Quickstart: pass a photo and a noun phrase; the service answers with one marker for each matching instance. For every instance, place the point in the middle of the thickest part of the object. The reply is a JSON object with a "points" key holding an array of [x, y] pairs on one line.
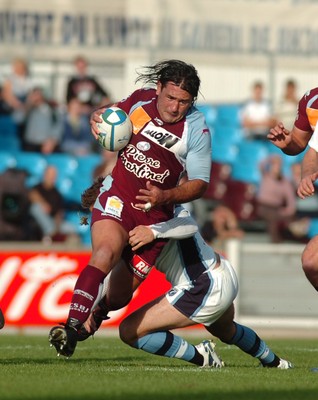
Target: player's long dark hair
{"points": [[180, 73]]}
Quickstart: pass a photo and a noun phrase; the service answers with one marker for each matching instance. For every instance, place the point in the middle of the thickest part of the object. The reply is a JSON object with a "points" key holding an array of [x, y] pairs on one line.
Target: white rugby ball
{"points": [[116, 129]]}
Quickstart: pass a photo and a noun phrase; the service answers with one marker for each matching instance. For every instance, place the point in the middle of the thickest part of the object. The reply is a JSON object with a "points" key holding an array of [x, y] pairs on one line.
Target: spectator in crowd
{"points": [[286, 108], [221, 225], [86, 88], [16, 88], [47, 208], [15, 221], [5, 108], [76, 130], [256, 115], [276, 198], [42, 125]]}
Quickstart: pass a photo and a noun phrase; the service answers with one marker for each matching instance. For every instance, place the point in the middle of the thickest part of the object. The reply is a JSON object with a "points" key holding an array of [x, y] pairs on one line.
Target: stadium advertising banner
{"points": [[283, 27], [36, 287]]}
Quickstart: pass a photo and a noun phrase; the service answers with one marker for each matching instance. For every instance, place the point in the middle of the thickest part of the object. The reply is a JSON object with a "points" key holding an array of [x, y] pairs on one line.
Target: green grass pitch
{"points": [[105, 368]]}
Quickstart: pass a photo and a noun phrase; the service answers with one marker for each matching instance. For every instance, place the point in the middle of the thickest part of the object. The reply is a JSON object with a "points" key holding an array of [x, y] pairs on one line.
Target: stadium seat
{"points": [[7, 160], [87, 165], [65, 164], [89, 161], [228, 114], [313, 228], [71, 189], [209, 112], [224, 153], [227, 134], [246, 167], [34, 164], [9, 138]]}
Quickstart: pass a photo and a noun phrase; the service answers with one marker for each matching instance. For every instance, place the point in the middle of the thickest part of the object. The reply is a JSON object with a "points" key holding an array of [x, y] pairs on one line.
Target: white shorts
{"points": [[208, 297]]}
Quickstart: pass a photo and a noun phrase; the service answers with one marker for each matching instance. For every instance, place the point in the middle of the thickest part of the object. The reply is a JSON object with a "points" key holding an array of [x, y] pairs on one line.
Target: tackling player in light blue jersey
{"points": [[204, 286]]}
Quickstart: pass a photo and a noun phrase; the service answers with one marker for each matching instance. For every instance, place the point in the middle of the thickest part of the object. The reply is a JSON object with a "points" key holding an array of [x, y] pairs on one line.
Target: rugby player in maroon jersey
{"points": [[170, 136]]}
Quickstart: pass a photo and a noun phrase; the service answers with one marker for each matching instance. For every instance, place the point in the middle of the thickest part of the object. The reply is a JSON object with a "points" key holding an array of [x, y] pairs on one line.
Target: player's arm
{"points": [[180, 227], [295, 141], [198, 167], [309, 174], [184, 193], [290, 142]]}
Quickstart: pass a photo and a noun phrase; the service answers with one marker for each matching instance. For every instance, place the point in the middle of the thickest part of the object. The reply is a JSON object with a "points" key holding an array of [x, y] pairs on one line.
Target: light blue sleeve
{"points": [[182, 226], [199, 156]]}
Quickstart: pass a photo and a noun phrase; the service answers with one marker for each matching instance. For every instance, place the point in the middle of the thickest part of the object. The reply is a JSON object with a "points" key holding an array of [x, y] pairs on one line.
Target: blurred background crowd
{"points": [[48, 157]]}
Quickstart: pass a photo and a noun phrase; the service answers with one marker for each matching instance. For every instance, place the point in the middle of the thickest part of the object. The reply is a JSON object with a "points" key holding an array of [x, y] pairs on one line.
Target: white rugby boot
{"points": [[211, 359]]}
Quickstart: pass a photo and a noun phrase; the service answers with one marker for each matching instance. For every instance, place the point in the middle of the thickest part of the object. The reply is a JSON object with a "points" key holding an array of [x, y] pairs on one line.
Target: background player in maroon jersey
{"points": [[294, 142], [170, 137]]}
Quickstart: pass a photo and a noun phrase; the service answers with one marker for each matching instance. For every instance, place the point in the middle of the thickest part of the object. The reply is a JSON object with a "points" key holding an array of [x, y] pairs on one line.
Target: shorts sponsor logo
{"points": [[172, 292], [114, 207], [140, 267]]}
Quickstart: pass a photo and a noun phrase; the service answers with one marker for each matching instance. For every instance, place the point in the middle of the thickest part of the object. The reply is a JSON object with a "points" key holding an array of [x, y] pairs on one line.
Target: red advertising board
{"points": [[36, 287]]}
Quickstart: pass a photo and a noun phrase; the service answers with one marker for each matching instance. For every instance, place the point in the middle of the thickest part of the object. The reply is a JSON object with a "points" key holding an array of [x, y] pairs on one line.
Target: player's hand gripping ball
{"points": [[116, 129]]}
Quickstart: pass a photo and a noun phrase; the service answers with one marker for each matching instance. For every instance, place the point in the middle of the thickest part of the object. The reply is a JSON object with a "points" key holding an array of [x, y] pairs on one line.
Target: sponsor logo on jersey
{"points": [[159, 122], [136, 162], [162, 137], [143, 146]]}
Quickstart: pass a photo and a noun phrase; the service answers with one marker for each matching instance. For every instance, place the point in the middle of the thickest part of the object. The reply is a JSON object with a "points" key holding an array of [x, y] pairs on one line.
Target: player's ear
{"points": [[159, 88]]}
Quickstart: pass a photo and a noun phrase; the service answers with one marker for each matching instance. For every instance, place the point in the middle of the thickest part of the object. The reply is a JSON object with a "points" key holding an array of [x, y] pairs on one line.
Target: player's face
{"points": [[173, 102]]}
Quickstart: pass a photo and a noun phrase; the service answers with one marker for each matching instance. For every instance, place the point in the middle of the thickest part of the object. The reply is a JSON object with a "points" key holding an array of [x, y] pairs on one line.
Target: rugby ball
{"points": [[115, 130]]}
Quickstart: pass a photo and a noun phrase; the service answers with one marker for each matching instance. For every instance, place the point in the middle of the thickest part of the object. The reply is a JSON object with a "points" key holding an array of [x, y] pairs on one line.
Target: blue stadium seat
{"points": [[228, 114], [34, 164], [89, 161], [246, 167], [209, 112], [65, 164], [7, 160], [87, 165], [313, 228], [223, 152], [227, 134], [9, 138]]}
